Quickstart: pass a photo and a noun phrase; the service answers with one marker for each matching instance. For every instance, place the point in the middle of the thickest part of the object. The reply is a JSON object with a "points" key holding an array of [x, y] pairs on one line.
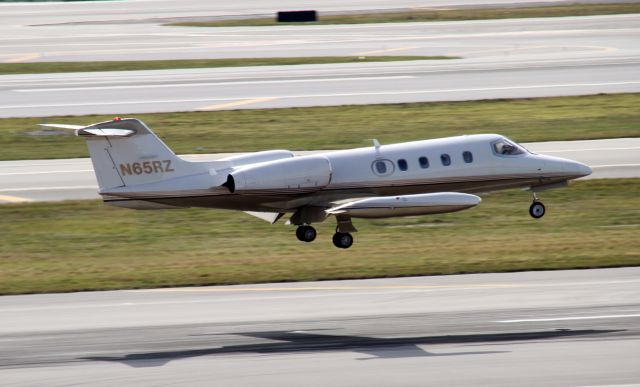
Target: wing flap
{"points": [[270, 217]]}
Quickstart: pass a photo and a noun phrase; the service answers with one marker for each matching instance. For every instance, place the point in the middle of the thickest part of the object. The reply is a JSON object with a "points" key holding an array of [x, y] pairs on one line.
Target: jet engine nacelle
{"points": [[407, 205], [289, 176], [259, 157]]}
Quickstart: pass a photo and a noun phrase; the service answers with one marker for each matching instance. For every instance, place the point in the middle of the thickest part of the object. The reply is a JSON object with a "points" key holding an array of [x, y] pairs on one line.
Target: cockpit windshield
{"points": [[507, 148]]}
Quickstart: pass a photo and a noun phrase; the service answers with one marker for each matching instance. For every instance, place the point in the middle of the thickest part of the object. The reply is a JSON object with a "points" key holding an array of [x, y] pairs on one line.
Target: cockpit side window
{"points": [[504, 147]]}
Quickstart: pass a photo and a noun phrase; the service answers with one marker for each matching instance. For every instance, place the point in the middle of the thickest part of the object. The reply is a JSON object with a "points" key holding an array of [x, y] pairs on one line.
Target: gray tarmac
{"points": [[541, 38], [501, 59], [66, 179], [562, 328], [154, 11]]}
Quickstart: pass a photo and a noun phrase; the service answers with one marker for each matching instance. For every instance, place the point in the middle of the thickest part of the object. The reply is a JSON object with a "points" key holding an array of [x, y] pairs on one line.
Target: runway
{"points": [[53, 180], [311, 85], [560, 328], [501, 59], [153, 11], [507, 39]]}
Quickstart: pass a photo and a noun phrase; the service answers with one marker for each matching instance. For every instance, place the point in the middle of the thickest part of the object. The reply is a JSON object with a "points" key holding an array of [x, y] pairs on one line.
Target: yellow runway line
{"points": [[13, 199], [22, 58], [386, 50], [236, 103]]}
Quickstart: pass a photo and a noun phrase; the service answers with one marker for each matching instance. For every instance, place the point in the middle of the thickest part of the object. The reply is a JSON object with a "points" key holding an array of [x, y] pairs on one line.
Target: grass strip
{"points": [[72, 246], [434, 15], [133, 65], [339, 127]]}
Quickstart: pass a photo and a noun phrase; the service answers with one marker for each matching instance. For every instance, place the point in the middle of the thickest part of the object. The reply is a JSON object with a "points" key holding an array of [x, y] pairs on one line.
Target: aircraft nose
{"points": [[580, 169], [573, 169]]}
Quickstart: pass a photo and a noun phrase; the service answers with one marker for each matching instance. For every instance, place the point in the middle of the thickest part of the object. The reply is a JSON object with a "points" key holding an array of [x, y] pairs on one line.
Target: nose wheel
{"points": [[306, 233], [536, 210], [342, 240]]}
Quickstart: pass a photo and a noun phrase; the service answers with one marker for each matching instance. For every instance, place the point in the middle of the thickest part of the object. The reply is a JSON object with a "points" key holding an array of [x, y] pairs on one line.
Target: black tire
{"points": [[537, 210], [306, 233], [342, 240]]}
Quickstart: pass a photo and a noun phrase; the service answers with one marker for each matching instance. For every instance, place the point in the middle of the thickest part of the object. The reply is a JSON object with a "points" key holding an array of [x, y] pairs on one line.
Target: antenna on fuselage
{"points": [[376, 145]]}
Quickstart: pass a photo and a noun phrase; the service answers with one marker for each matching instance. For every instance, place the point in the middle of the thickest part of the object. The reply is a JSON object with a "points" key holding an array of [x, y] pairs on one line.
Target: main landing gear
{"points": [[341, 239], [537, 209], [306, 233]]}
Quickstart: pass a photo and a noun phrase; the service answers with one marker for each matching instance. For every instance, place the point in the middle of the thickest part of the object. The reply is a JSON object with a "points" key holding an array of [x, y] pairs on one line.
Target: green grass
{"points": [[70, 67], [58, 247], [544, 119], [440, 15]]}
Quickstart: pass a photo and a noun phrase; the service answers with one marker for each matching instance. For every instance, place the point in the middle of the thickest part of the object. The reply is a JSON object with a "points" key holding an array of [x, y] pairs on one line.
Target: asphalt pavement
{"points": [[153, 11], [500, 59], [562, 328], [539, 38]]}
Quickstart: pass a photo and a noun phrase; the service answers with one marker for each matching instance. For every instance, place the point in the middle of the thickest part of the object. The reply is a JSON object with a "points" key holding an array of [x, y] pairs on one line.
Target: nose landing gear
{"points": [[537, 209]]}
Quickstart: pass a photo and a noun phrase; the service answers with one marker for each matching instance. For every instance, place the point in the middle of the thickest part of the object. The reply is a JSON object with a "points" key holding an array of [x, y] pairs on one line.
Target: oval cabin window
{"points": [[467, 156], [424, 162], [382, 167], [446, 159], [402, 164]]}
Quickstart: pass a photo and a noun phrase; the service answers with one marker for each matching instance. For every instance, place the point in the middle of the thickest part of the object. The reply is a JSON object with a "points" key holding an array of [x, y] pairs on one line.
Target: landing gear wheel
{"points": [[342, 240], [306, 233], [537, 210]]}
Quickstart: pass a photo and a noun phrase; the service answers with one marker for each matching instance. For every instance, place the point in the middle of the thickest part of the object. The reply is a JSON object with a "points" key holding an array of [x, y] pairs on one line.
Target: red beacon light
{"points": [[117, 119]]}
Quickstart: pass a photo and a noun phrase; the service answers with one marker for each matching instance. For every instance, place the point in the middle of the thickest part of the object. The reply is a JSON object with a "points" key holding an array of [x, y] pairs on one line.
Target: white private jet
{"points": [[135, 169]]}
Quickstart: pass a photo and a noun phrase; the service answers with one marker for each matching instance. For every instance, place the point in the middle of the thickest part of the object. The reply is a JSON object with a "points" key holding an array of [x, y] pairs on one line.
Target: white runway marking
{"points": [[589, 149], [615, 165], [435, 91], [571, 318], [615, 385], [49, 188], [214, 84], [44, 172]]}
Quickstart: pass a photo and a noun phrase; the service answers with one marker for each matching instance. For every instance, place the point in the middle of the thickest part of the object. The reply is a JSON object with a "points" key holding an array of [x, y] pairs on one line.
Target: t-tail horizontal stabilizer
{"points": [[128, 159], [88, 131]]}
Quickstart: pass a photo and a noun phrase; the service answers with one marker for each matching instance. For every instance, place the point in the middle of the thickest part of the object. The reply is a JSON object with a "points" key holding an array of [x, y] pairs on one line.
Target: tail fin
{"points": [[125, 153]]}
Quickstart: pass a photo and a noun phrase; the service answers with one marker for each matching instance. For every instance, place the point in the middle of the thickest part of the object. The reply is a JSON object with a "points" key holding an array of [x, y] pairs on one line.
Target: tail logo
{"points": [[146, 167]]}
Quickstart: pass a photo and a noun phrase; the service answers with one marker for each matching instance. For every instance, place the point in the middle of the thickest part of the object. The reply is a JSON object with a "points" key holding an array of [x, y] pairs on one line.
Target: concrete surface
{"points": [[502, 59], [564, 328]]}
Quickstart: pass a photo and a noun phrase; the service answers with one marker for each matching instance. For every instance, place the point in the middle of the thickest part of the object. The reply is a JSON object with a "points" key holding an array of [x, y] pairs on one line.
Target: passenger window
{"points": [[446, 159], [467, 156], [424, 162], [402, 164], [382, 167]]}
